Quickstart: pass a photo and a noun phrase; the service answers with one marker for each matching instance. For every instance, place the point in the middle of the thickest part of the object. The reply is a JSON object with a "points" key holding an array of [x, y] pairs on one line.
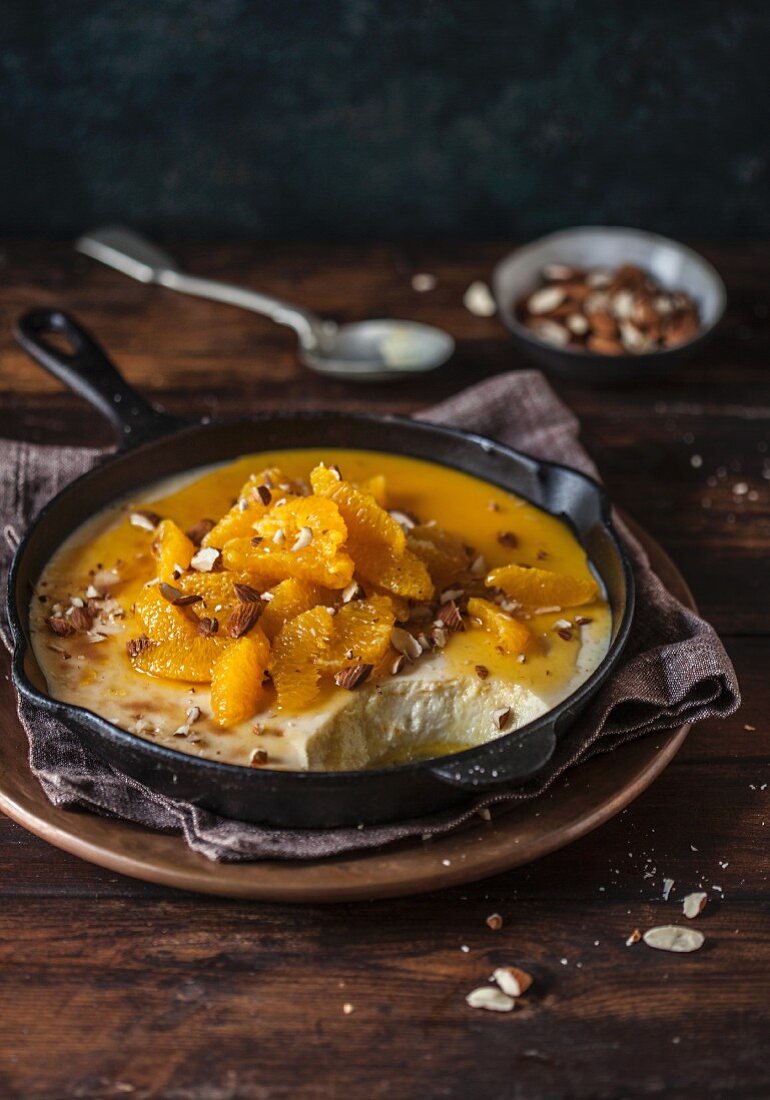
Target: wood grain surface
{"points": [[110, 987]]}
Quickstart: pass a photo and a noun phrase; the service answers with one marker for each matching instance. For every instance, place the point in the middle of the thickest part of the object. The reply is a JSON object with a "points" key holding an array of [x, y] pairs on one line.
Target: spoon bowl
{"points": [[376, 351]]}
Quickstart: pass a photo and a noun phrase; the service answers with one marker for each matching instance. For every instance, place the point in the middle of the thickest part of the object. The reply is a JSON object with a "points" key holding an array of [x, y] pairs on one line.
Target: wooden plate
{"points": [[597, 791]]}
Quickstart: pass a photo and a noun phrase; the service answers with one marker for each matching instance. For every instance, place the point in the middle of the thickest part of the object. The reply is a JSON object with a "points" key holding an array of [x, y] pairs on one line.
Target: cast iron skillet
{"points": [[153, 445]]}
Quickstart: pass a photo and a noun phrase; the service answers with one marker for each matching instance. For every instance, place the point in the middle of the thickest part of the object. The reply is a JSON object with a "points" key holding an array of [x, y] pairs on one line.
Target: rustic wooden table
{"points": [[115, 988]]}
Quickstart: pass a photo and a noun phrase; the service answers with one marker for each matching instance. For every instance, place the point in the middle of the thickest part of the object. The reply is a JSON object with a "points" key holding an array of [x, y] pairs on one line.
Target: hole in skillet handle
{"points": [[508, 762], [69, 352]]}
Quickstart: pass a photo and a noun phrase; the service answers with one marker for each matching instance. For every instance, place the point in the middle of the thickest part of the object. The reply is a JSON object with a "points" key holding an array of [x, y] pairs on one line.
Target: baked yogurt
{"points": [[320, 610]]}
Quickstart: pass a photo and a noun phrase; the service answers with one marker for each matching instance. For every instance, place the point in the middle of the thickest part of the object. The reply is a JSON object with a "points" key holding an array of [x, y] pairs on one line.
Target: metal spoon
{"points": [[367, 351]]}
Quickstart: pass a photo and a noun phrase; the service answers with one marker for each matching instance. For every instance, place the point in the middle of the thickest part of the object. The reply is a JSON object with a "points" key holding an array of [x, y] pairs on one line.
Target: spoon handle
{"points": [[139, 258]]}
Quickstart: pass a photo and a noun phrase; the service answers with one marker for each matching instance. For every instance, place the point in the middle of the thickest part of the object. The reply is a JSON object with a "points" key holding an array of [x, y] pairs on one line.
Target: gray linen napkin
{"points": [[674, 668]]}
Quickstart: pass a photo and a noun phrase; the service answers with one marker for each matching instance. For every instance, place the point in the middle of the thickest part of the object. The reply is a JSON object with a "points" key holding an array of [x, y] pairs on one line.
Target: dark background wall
{"points": [[385, 118]]}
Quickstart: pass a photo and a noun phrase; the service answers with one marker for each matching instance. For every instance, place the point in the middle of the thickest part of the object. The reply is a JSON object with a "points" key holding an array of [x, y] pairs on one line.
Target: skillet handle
{"points": [[508, 762], [89, 371]]}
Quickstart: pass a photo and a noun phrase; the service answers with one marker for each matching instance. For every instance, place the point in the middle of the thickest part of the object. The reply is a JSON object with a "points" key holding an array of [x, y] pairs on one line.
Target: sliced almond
{"points": [[577, 324], [135, 646], [208, 626], [404, 642], [449, 615], [176, 597], [246, 594], [502, 717], [623, 305], [144, 519], [511, 980], [403, 519], [243, 618], [546, 299], [80, 619], [694, 904], [61, 626], [354, 591], [352, 677], [203, 561], [479, 301], [633, 338], [423, 281], [303, 539], [490, 998], [549, 331], [451, 594], [673, 937]]}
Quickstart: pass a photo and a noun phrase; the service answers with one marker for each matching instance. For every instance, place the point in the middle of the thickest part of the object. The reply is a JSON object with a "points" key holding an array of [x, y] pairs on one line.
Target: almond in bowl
{"points": [[309, 610], [624, 311]]}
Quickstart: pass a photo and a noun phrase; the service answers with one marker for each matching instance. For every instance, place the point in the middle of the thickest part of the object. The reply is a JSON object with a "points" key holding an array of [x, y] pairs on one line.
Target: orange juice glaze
{"points": [[474, 509]]}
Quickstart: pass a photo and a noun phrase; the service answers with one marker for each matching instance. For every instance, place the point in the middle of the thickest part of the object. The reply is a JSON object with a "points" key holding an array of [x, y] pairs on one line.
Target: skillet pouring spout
{"points": [[153, 445]]}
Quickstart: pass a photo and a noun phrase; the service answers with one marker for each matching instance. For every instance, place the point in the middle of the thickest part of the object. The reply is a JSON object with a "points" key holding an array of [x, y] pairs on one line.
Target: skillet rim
{"points": [[103, 727]]}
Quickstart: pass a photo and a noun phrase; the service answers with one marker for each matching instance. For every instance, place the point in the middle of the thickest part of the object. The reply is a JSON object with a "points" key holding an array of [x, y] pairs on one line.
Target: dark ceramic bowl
{"points": [[154, 445], [675, 267]]}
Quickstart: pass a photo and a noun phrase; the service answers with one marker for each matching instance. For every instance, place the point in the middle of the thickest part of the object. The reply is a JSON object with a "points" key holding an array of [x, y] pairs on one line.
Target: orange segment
{"points": [[190, 660], [289, 599], [509, 633], [297, 650], [376, 487], [215, 589], [369, 526], [236, 680], [249, 507], [361, 633], [162, 621], [178, 651], [320, 517], [403, 575], [269, 564], [173, 548], [536, 588], [443, 553]]}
